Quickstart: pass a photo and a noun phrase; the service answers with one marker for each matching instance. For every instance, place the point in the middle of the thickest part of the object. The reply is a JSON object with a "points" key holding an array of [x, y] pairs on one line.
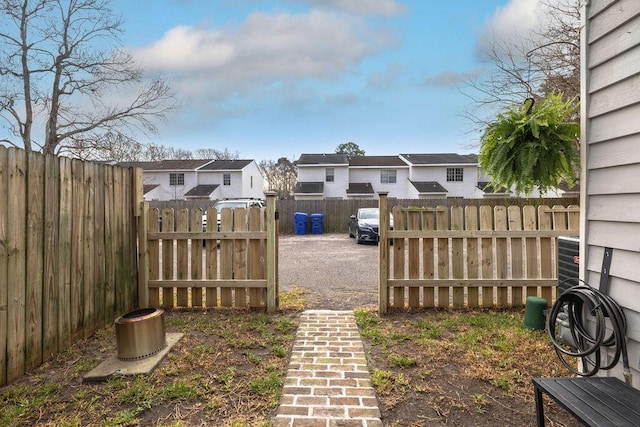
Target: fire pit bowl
{"points": [[140, 333]]}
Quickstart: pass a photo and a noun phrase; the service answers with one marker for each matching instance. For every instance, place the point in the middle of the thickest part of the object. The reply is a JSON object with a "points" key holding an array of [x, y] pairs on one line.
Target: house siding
{"points": [[465, 188], [166, 191], [372, 175], [246, 180], [610, 150]]}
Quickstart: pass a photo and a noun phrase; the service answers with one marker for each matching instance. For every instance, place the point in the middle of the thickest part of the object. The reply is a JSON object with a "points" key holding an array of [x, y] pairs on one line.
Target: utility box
{"points": [[568, 263]]}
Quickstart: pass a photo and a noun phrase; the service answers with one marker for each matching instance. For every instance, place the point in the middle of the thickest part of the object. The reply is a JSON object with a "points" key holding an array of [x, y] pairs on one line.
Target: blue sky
{"points": [[270, 79]]}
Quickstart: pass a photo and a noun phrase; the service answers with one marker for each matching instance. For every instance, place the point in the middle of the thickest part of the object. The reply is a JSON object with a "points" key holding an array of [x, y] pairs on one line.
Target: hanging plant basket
{"points": [[533, 147]]}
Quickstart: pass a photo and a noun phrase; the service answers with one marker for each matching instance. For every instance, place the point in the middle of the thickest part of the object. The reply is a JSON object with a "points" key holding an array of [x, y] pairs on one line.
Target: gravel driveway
{"points": [[335, 272]]}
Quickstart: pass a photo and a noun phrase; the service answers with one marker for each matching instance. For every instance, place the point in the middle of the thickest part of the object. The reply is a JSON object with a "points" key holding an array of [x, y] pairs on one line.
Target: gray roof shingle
{"points": [[203, 190], [173, 164], [441, 158], [322, 159], [384, 161], [360, 188], [428, 187], [226, 165], [148, 187]]}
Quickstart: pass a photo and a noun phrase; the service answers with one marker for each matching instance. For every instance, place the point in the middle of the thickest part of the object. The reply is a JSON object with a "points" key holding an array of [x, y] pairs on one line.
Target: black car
{"points": [[364, 225]]}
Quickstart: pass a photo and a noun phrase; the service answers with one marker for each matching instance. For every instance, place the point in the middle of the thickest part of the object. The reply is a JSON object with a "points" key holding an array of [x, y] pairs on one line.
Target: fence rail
{"points": [[337, 212], [67, 254], [470, 256]]}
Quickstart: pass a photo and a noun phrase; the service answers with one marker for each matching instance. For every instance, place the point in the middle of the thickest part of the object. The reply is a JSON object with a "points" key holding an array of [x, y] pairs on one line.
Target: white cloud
{"points": [[449, 79], [266, 57], [511, 23], [360, 7], [267, 47]]}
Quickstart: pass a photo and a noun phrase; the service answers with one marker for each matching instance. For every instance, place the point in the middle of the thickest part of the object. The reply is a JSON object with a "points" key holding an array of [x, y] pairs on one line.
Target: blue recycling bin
{"points": [[316, 223], [300, 222]]}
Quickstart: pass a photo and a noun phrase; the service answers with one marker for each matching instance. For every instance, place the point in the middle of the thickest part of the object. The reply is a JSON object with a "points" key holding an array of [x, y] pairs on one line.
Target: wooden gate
{"points": [[184, 266], [470, 257]]}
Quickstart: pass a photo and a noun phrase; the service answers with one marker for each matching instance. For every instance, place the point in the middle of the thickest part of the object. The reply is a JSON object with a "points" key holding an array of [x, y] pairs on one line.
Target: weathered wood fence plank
{"points": [[58, 241], [16, 267], [35, 260], [472, 257], [234, 260], [4, 258]]}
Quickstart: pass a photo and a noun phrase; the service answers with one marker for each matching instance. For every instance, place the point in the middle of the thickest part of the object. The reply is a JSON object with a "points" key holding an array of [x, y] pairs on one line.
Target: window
{"points": [[251, 184], [176, 179], [329, 175], [454, 174], [388, 176], [226, 179]]}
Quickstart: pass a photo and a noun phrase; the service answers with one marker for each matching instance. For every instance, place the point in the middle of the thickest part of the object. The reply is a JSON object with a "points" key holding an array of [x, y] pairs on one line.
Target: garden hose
{"points": [[577, 302]]}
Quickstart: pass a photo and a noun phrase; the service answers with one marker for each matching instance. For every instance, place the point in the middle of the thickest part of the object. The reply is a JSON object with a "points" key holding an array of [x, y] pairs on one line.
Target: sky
{"points": [[278, 78]]}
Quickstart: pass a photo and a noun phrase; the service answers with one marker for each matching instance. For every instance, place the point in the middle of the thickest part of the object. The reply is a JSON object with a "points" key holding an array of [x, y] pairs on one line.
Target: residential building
{"points": [[201, 179], [610, 150], [404, 176], [322, 176]]}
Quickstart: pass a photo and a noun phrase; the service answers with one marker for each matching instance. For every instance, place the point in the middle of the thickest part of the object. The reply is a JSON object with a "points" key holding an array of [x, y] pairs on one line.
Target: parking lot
{"points": [[335, 272]]}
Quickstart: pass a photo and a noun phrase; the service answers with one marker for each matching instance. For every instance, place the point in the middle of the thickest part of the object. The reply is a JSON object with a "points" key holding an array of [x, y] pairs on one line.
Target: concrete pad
{"points": [[114, 366]]}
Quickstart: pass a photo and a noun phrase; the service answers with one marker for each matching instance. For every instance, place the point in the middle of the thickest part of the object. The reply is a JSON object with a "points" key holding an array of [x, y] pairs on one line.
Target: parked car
{"points": [[363, 226], [232, 204]]}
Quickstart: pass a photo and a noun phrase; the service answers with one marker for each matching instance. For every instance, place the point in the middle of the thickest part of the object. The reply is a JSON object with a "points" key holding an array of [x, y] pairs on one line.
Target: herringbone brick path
{"points": [[328, 383]]}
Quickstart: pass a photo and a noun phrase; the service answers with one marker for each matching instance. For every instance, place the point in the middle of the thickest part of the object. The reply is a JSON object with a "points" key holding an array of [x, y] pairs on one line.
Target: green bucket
{"points": [[534, 316]]}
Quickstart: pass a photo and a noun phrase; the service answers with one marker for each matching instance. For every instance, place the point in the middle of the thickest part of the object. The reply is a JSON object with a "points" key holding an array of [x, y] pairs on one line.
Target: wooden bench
{"points": [[595, 401]]}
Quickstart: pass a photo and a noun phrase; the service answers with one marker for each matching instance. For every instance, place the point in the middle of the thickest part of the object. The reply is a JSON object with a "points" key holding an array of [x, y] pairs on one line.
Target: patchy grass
{"points": [[428, 367], [463, 368], [226, 371]]}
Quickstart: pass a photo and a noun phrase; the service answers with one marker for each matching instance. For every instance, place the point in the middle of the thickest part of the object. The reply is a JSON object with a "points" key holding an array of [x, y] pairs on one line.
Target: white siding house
{"points": [[200, 179], [443, 175], [368, 175], [235, 178], [610, 149], [322, 176], [406, 176]]}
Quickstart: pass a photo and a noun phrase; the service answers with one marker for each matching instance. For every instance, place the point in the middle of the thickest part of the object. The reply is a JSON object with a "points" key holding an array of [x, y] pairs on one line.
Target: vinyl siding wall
{"points": [[610, 149], [372, 175]]}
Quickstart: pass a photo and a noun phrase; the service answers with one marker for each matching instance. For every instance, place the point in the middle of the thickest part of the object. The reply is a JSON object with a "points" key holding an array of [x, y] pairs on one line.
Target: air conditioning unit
{"points": [[568, 263], [568, 276]]}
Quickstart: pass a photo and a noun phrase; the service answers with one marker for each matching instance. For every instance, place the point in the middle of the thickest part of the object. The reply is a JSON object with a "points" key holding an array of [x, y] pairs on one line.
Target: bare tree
{"points": [[63, 72], [545, 61], [213, 153], [281, 176]]}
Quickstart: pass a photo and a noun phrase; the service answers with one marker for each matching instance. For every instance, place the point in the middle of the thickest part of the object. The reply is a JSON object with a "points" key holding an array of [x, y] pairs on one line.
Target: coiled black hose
{"points": [[589, 341]]}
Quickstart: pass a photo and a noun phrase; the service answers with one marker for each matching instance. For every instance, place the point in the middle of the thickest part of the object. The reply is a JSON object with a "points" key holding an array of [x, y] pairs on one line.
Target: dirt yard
{"points": [[429, 367]]}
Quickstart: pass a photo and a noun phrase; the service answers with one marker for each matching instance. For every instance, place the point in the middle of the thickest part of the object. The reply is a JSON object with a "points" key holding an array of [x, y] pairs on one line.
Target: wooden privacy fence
{"points": [[487, 256], [67, 253], [233, 267], [337, 212]]}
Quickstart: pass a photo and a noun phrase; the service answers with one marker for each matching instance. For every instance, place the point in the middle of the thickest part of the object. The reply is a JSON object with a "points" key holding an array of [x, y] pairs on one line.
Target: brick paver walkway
{"points": [[328, 383]]}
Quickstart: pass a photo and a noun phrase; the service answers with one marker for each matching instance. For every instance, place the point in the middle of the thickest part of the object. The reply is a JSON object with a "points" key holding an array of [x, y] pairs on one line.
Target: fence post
{"points": [[383, 253], [272, 266]]}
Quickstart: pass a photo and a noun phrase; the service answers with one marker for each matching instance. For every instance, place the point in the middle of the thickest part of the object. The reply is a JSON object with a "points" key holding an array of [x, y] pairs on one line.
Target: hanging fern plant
{"points": [[534, 146]]}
